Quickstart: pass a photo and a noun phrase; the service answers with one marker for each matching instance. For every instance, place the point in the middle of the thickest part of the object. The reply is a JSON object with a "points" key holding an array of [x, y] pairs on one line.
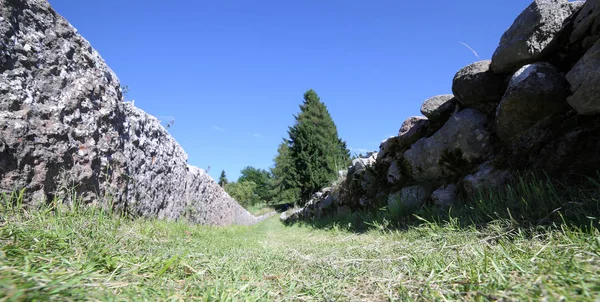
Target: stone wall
{"points": [[534, 106], [65, 130]]}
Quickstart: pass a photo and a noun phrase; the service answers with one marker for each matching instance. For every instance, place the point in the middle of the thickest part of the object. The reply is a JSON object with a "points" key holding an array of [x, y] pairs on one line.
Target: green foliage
{"points": [[285, 187], [243, 192], [223, 179], [310, 159], [261, 178]]}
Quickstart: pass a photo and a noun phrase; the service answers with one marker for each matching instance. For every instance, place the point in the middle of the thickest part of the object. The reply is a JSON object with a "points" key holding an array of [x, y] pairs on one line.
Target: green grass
{"points": [[77, 253], [91, 255], [259, 209]]}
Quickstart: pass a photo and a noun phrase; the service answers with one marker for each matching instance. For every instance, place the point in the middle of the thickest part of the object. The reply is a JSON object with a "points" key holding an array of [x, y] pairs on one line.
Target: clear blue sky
{"points": [[232, 73]]}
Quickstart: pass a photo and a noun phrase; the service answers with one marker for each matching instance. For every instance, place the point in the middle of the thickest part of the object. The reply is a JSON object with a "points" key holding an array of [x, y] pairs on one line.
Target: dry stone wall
{"points": [[534, 106], [65, 130]]}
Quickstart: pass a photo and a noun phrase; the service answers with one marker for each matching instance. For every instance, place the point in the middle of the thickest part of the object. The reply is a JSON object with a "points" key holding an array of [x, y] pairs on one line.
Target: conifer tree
{"points": [[316, 151], [222, 179], [285, 187]]}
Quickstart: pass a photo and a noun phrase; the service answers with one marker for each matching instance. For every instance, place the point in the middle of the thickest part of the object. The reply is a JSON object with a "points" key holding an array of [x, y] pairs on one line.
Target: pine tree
{"points": [[222, 179], [285, 187], [316, 150]]}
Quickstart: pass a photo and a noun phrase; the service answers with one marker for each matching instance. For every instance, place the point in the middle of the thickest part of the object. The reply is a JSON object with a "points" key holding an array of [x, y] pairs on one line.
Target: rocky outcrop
{"points": [[533, 34], [535, 106], [461, 142], [534, 92], [584, 79], [476, 86], [439, 108], [65, 130]]}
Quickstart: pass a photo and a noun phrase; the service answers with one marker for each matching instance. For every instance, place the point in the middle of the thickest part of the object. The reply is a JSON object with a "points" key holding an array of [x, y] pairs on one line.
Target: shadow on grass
{"points": [[530, 201], [282, 207]]}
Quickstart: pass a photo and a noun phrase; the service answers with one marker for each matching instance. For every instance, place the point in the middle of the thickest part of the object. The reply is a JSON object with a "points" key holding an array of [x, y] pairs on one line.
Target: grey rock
{"points": [[410, 198], [584, 79], [64, 126], [394, 174], [535, 92], [412, 129], [445, 196], [476, 86], [533, 34], [360, 165], [486, 177], [388, 150], [438, 109], [586, 27], [460, 143]]}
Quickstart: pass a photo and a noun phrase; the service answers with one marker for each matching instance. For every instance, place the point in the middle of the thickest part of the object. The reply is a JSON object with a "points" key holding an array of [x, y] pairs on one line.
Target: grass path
{"points": [[94, 256]]}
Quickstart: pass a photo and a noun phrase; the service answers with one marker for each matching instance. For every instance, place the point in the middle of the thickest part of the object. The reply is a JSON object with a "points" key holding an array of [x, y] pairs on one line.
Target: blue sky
{"points": [[232, 73]]}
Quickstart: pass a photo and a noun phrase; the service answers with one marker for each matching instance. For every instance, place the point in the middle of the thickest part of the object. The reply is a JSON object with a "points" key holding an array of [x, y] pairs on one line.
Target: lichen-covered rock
{"points": [[535, 92], [439, 108], [584, 79], [460, 143], [445, 196], [63, 126], [476, 86], [532, 35], [486, 177]]}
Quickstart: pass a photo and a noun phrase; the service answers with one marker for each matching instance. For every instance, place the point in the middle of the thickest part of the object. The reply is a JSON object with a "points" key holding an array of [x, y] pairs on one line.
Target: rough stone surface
{"points": [[584, 79], [410, 197], [63, 126], [586, 27], [388, 150], [486, 177], [535, 92], [476, 86], [394, 175], [412, 130], [445, 196], [462, 141], [532, 35], [439, 108]]}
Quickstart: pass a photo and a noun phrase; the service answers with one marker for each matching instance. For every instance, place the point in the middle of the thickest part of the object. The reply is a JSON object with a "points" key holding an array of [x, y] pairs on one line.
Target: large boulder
{"points": [[409, 198], [412, 129], [439, 108], [445, 196], [486, 177], [64, 129], [476, 86], [460, 143], [532, 35], [586, 27], [535, 92], [584, 79]]}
